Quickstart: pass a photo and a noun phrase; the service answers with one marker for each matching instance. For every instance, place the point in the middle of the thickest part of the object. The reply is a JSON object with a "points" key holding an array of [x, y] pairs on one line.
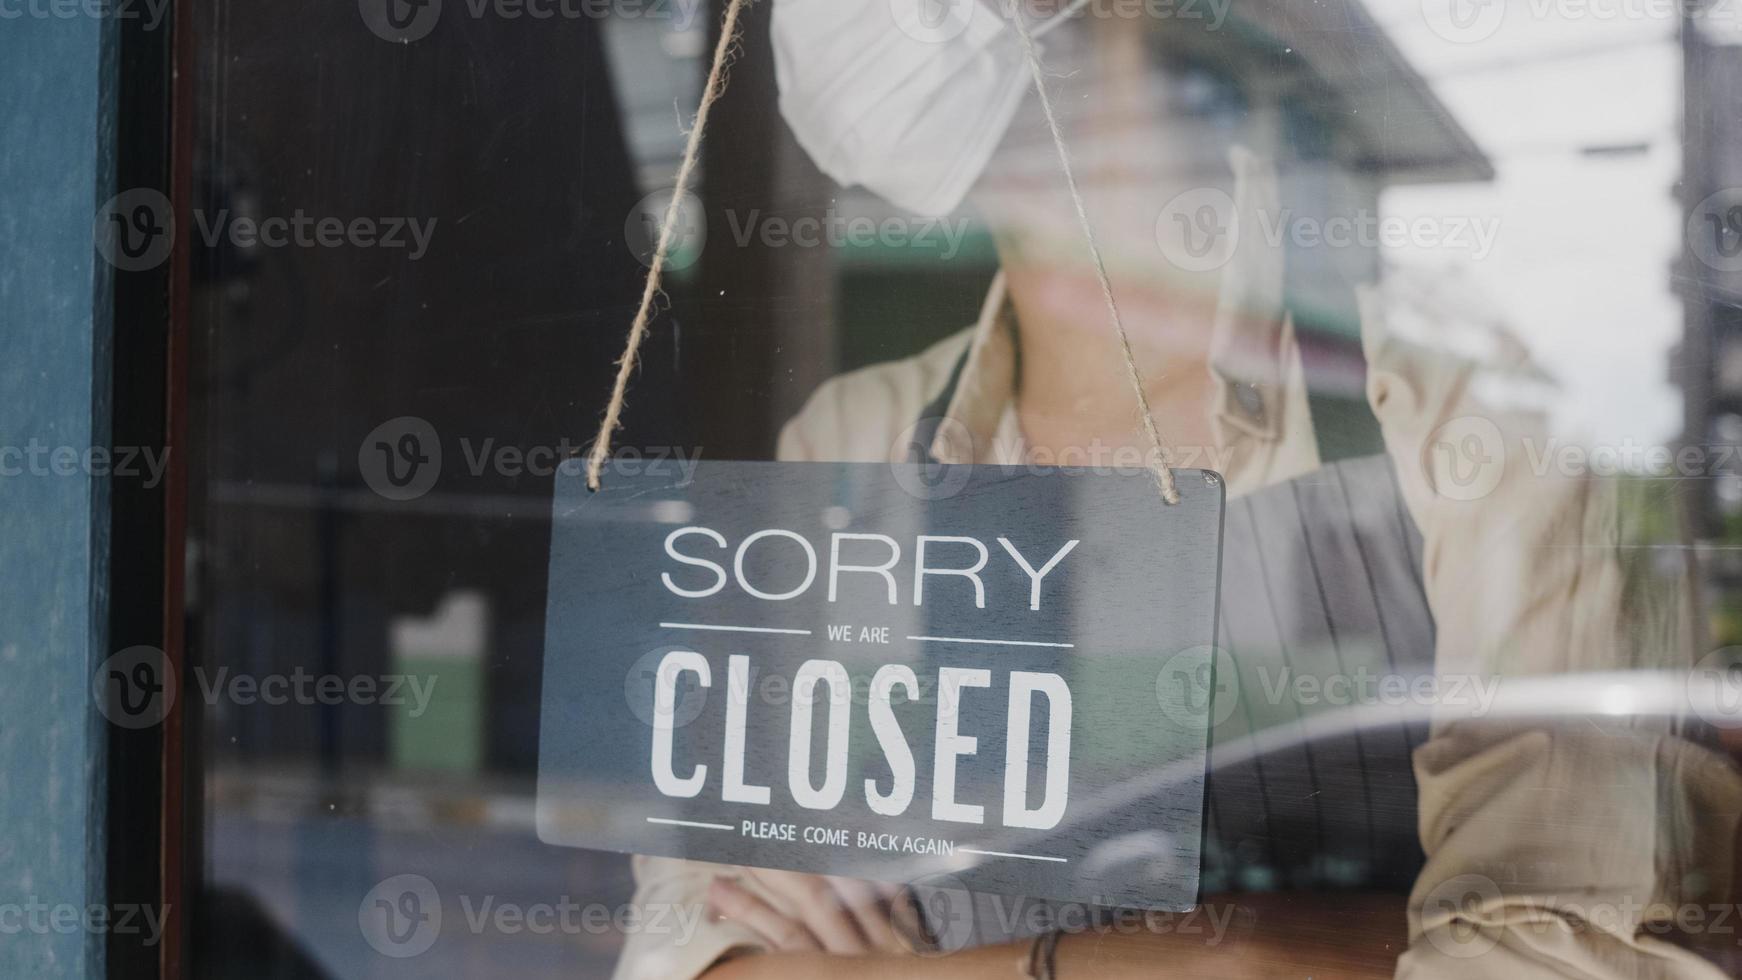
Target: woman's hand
{"points": [[794, 912]]}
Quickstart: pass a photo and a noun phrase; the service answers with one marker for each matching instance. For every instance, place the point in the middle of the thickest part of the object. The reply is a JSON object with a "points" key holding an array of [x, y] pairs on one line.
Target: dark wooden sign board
{"points": [[885, 671]]}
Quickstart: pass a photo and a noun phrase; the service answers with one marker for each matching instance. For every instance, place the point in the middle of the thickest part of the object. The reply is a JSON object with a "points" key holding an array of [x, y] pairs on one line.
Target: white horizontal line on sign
{"points": [[1007, 854], [733, 629], [996, 643], [690, 823]]}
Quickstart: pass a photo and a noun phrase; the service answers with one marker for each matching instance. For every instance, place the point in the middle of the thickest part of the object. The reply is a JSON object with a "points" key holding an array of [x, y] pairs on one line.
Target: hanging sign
{"points": [[885, 671]]}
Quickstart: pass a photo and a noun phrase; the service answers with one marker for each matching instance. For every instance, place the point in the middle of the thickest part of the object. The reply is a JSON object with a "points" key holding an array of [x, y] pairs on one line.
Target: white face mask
{"points": [[907, 98]]}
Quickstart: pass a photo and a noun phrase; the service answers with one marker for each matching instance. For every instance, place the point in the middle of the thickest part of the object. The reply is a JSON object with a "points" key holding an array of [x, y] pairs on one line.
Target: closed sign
{"points": [[886, 672]]}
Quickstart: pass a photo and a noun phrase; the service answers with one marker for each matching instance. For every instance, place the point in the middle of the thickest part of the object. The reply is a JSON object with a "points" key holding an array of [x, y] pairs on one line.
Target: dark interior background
{"points": [[513, 135]]}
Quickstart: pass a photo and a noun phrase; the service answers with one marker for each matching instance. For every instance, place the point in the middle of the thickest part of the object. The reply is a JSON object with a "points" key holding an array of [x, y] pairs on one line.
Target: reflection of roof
{"points": [[1401, 127]]}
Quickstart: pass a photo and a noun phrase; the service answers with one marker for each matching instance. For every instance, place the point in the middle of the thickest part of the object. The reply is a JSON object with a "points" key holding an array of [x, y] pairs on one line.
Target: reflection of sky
{"points": [[1581, 269]]}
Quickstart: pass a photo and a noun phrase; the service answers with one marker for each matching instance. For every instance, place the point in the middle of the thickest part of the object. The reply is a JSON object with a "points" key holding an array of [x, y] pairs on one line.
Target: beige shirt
{"points": [[1553, 849]]}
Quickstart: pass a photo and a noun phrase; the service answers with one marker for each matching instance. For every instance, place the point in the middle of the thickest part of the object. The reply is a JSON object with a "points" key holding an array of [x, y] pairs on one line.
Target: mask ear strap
{"points": [[656, 269], [1047, 27], [1161, 464]]}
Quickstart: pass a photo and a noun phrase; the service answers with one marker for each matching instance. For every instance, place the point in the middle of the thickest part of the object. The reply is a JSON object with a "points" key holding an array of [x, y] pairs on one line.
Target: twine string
{"points": [[711, 92], [1161, 464]]}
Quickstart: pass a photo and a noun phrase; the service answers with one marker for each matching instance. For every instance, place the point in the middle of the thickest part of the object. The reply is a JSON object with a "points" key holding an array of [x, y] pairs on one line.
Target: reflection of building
{"points": [[1349, 117], [1710, 276], [1709, 364], [1342, 111]]}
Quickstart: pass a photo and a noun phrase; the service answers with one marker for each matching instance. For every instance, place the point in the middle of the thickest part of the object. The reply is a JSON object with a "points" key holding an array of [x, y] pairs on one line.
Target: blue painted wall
{"points": [[55, 170]]}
